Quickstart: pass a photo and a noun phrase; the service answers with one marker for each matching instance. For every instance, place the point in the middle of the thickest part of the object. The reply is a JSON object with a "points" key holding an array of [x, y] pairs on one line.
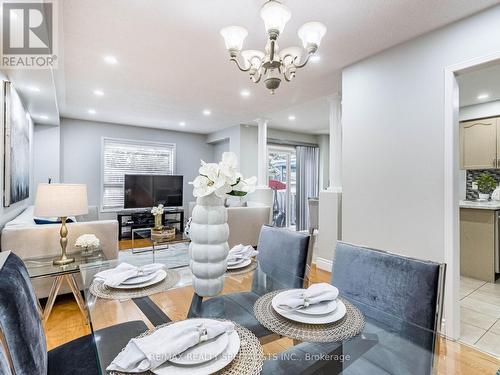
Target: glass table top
{"points": [[388, 344], [146, 234], [44, 267]]}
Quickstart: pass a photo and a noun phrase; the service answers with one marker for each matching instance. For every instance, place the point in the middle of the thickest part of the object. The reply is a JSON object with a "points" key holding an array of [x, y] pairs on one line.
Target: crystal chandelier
{"points": [[273, 64]]}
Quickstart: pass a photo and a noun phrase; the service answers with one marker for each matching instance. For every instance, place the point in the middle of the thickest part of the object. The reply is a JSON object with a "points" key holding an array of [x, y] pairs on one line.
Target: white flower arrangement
{"points": [[87, 240], [222, 179], [158, 210]]}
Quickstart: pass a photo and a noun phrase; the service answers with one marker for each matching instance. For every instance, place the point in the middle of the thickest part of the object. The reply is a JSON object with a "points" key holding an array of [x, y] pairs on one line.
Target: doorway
{"points": [[479, 177], [452, 185], [282, 179]]}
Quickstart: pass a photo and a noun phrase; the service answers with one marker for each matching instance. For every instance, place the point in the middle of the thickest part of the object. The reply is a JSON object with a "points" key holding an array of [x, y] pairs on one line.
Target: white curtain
{"points": [[307, 182]]}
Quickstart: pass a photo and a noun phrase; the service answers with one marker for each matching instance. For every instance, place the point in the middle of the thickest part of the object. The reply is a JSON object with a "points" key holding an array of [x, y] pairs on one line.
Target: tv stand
{"points": [[129, 220]]}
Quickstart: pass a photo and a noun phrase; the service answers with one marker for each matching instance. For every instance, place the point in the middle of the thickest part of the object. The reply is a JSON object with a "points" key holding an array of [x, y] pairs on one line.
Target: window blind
{"points": [[122, 157]]}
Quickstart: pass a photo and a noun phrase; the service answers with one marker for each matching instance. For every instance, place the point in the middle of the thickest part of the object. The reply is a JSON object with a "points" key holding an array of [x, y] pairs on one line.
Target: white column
{"points": [[330, 200], [262, 153], [263, 194], [335, 143]]}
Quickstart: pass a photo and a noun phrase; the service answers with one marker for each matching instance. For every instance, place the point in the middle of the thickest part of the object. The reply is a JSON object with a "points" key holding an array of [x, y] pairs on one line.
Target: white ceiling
{"points": [[482, 81], [172, 63]]}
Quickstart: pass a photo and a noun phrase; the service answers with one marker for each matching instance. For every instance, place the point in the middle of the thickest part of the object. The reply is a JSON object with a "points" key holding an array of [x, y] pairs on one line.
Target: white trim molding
{"points": [[324, 264]]}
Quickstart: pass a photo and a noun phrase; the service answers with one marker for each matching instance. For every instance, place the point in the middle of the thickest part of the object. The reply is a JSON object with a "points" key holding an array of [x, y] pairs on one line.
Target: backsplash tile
{"points": [[472, 176]]}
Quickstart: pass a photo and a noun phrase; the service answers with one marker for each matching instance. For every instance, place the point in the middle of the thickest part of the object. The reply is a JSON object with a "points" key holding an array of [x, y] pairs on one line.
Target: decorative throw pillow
{"points": [[41, 221]]}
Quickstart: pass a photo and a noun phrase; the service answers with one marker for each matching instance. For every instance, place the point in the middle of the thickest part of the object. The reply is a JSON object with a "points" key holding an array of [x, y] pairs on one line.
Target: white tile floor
{"points": [[480, 315]]}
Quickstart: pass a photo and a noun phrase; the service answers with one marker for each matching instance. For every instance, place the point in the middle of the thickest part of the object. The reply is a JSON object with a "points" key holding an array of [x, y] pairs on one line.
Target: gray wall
{"points": [[393, 138], [81, 152], [219, 148], [8, 213], [46, 153]]}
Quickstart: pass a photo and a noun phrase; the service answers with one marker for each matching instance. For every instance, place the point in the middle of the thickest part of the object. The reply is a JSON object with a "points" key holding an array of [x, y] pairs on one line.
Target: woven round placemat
{"points": [[240, 271], [349, 326], [98, 289], [248, 361]]}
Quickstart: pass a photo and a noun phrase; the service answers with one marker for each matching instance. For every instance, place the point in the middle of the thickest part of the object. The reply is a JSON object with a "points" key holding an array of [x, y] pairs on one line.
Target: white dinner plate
{"points": [[139, 279], [221, 361], [335, 315], [203, 352], [316, 309], [160, 276], [239, 265]]}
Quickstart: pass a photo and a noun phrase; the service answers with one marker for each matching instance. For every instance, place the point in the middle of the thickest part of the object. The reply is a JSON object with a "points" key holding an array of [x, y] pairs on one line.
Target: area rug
{"points": [[173, 256]]}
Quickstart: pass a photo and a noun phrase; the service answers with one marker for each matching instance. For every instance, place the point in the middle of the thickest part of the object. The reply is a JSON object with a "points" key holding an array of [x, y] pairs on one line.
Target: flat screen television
{"points": [[145, 191]]}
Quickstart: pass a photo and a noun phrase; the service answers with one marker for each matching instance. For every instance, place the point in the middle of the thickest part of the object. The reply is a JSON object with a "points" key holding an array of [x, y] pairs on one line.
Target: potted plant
{"points": [[87, 243], [158, 215], [485, 184]]}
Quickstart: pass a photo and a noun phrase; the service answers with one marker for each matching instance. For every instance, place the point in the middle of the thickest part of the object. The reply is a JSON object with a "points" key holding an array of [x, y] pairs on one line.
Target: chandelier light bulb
{"points": [[311, 34], [275, 16], [234, 36]]}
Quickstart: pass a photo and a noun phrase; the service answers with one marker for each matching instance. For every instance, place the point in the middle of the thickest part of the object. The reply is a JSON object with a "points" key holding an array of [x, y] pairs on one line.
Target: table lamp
{"points": [[61, 200]]}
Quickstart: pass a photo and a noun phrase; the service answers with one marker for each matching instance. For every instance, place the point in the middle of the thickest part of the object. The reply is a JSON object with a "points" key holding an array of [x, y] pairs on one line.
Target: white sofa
{"points": [[245, 222], [27, 239]]}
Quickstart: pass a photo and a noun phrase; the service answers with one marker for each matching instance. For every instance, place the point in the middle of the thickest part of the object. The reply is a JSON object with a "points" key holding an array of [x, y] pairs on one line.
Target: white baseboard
{"points": [[324, 264]]}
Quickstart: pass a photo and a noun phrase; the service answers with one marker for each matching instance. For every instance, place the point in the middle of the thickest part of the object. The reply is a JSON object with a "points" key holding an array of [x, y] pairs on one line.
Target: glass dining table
{"points": [[386, 344]]}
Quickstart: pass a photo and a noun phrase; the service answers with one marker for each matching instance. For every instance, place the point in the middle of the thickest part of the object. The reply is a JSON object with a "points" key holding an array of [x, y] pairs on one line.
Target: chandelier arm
{"points": [[259, 76], [304, 63], [235, 60], [288, 78]]}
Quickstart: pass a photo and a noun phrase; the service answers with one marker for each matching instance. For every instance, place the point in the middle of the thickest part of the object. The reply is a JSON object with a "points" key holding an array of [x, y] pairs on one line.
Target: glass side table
{"points": [[42, 268]]}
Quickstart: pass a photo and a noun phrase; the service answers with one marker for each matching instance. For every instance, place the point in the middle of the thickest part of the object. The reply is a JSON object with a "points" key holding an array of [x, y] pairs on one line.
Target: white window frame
{"points": [[134, 142]]}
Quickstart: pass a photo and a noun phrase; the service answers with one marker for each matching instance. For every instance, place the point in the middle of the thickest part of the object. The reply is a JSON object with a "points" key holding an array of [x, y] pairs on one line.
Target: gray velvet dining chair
{"points": [[282, 264], [23, 347], [401, 299]]}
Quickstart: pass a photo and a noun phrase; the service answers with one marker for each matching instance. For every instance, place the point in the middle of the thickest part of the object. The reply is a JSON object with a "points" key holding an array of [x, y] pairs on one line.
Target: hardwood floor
{"points": [[66, 324]]}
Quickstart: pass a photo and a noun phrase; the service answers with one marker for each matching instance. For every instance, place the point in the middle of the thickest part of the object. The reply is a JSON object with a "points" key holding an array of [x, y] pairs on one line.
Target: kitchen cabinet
{"points": [[479, 243], [480, 144]]}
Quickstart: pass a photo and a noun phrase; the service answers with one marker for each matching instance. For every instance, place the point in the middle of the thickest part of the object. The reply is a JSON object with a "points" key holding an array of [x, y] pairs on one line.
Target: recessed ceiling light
{"points": [[207, 112], [44, 117], [483, 96], [315, 58], [33, 89], [91, 111], [110, 59], [292, 117], [245, 93], [98, 93], [182, 123]]}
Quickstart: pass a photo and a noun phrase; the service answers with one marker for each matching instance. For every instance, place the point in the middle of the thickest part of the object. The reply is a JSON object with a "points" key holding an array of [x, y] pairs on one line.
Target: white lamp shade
{"points": [[275, 15], [234, 36], [61, 200], [312, 33], [289, 54], [252, 57]]}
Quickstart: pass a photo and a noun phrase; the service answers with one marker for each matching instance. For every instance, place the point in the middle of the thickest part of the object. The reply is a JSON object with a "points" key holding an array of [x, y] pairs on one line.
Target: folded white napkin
{"points": [[124, 271], [240, 253], [316, 293], [150, 352]]}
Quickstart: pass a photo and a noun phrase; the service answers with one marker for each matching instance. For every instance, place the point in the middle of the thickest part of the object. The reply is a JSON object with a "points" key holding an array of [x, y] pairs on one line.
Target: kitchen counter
{"points": [[489, 205]]}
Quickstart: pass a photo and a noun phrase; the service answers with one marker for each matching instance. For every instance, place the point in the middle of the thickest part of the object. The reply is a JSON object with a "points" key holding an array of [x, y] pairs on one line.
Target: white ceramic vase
{"points": [[208, 249], [484, 197]]}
